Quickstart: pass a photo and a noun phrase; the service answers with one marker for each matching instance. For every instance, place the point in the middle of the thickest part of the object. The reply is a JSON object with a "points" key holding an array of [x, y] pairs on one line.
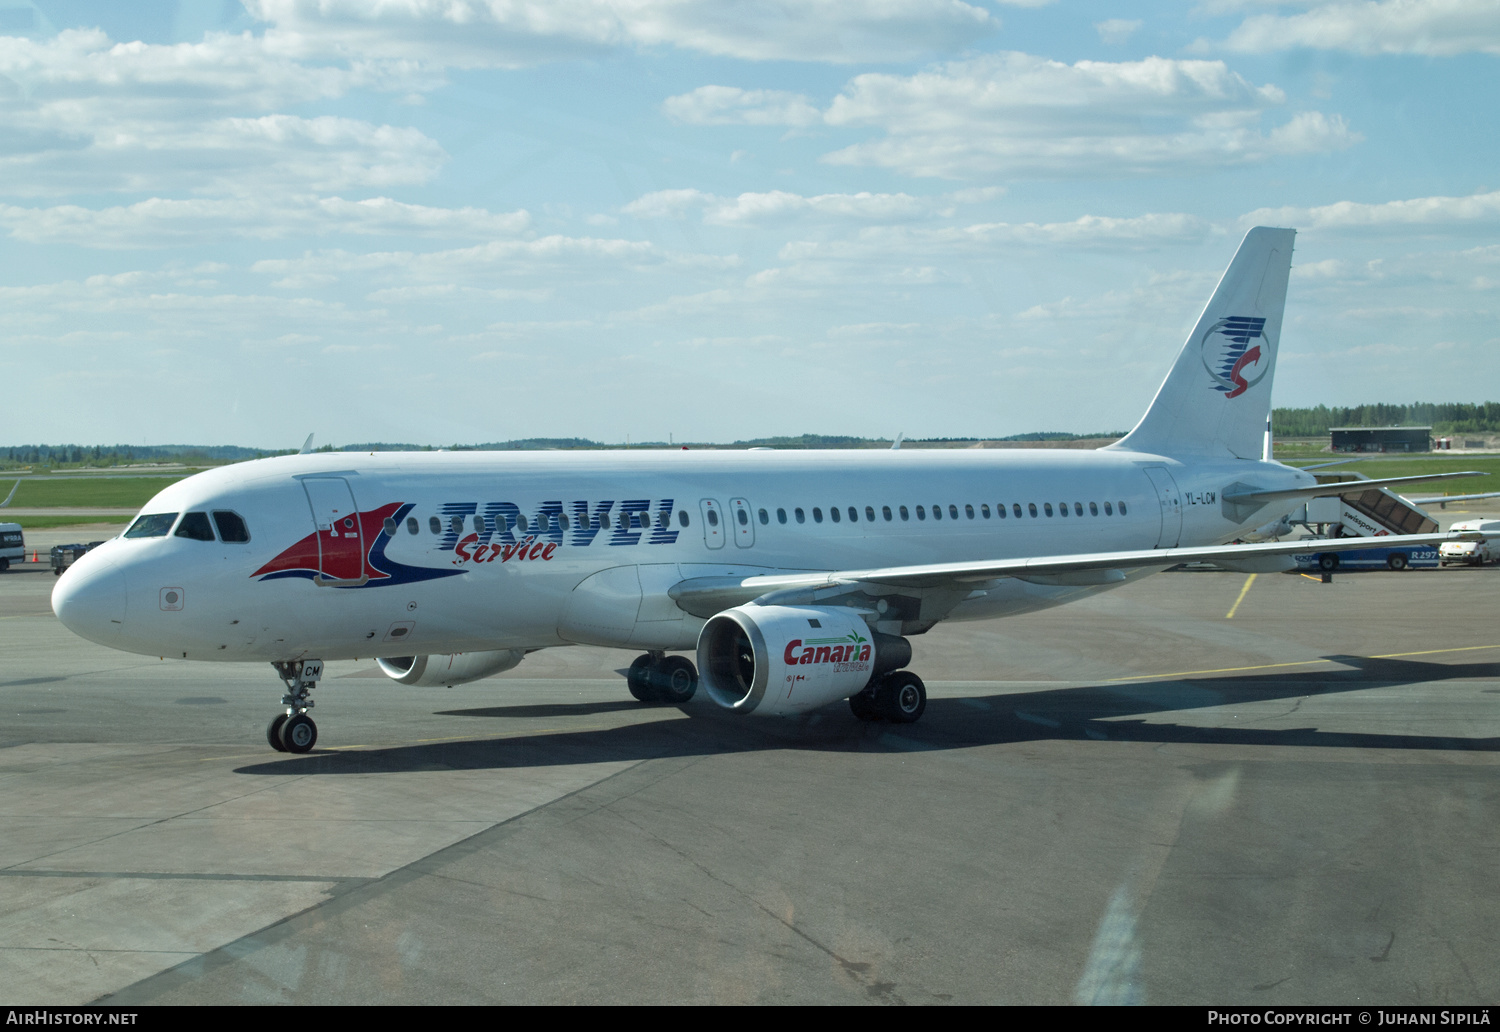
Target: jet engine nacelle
{"points": [[446, 671], [776, 660]]}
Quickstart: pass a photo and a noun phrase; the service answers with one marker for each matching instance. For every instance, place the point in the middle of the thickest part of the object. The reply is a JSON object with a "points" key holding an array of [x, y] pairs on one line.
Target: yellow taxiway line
{"points": [[1243, 592], [1303, 662]]}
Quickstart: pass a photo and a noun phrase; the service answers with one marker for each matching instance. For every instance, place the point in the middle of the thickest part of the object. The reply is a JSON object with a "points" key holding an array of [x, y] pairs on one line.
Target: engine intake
{"points": [[776, 660], [446, 671]]}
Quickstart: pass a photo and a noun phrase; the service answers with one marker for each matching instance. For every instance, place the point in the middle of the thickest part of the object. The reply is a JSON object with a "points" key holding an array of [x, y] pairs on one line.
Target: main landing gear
{"points": [[659, 678], [294, 731], [899, 696]]}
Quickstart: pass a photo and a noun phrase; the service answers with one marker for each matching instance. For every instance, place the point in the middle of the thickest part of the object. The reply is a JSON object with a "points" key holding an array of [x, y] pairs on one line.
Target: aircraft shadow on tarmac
{"points": [[1089, 713]]}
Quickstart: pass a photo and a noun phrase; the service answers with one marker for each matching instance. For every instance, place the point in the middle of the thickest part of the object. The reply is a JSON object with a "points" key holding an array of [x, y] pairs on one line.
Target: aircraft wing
{"points": [[1343, 487], [705, 596]]}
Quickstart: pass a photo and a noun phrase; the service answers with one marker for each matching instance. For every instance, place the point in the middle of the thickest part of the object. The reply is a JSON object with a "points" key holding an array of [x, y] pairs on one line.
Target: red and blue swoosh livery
{"points": [[343, 556]]}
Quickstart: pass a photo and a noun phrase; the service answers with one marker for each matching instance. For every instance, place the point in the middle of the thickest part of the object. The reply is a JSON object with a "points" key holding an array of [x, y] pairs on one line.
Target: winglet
{"points": [[306, 445], [900, 436]]}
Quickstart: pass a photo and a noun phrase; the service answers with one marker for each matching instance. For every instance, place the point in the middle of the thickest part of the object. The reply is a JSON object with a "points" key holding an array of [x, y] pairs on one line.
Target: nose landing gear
{"points": [[294, 731]]}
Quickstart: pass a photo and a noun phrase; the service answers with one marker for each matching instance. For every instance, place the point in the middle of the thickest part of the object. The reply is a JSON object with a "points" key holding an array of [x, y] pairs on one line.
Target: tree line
{"points": [[1444, 418]]}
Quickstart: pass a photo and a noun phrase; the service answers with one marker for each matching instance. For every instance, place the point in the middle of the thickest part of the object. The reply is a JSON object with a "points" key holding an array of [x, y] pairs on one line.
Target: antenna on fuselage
{"points": [[11, 495], [900, 436], [306, 445]]}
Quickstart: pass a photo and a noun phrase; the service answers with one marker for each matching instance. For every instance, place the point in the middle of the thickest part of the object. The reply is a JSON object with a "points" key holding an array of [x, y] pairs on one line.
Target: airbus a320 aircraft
{"points": [[797, 576]]}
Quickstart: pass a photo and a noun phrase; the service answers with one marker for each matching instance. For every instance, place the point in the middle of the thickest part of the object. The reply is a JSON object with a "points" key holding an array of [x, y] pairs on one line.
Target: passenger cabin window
{"points": [[1016, 508], [832, 511], [411, 526], [232, 529], [195, 525], [1109, 510], [1000, 510], [389, 526], [817, 515], [713, 518], [479, 524], [902, 511], [522, 523], [780, 515], [921, 513], [800, 517], [1093, 508], [456, 524], [984, 510], [765, 518], [870, 513], [853, 514], [682, 517], [155, 525], [1031, 508], [1062, 509], [885, 510], [744, 518], [1047, 508], [937, 512], [1122, 508]]}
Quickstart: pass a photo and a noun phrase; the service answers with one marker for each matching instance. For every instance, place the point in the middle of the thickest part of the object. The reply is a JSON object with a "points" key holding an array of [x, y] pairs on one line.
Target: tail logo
{"points": [[1227, 353]]}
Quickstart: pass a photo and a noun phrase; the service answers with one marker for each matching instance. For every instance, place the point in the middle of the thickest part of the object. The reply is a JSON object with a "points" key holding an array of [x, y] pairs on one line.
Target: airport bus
{"points": [[1422, 557], [12, 545]]}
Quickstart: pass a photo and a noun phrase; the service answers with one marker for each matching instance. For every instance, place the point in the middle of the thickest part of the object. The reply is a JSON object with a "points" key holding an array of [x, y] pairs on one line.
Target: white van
{"points": [[12, 545], [1475, 553]]}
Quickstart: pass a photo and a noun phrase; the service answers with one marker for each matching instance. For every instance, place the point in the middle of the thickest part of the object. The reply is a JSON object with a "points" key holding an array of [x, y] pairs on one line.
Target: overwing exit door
{"points": [[713, 523], [341, 546], [744, 523]]}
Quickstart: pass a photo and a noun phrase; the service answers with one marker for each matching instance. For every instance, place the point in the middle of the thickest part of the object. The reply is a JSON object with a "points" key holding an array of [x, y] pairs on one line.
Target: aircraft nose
{"points": [[90, 599]]}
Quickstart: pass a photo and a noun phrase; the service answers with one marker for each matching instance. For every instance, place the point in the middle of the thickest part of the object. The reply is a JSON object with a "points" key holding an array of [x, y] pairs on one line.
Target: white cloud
{"points": [[1117, 31], [520, 257], [163, 221], [781, 205], [78, 112], [1428, 212], [1015, 114], [514, 33], [1093, 232], [1436, 28], [1020, 115], [729, 105]]}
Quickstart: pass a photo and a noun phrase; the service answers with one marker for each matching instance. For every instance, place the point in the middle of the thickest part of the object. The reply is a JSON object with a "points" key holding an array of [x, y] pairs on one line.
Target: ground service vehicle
{"points": [[12, 545]]}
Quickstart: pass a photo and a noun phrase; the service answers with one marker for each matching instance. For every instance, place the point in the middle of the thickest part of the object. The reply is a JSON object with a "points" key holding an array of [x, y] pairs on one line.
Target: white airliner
{"points": [[796, 575]]}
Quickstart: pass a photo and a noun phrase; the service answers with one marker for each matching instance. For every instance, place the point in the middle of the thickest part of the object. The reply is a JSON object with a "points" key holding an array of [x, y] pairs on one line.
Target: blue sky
{"points": [[468, 220]]}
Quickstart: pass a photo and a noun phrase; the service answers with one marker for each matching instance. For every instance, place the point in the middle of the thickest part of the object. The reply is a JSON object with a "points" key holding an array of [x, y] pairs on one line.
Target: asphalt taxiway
{"points": [[1133, 798]]}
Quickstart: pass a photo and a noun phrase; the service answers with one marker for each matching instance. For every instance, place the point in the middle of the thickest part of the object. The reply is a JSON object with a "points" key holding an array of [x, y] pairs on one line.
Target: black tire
{"points": [[4, 565], [1328, 561], [638, 679], [299, 734], [1396, 561], [675, 679], [863, 706], [273, 732], [902, 697]]}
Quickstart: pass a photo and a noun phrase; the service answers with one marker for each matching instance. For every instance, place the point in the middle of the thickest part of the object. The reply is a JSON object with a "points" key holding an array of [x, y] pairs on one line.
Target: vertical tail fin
{"points": [[1217, 398]]}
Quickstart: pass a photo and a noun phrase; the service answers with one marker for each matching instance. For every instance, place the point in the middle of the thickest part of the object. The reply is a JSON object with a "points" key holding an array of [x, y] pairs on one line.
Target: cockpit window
{"points": [[153, 525], [231, 526], [195, 525]]}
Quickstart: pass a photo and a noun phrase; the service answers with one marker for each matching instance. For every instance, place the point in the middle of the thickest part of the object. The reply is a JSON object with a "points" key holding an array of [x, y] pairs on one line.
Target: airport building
{"points": [[1381, 438]]}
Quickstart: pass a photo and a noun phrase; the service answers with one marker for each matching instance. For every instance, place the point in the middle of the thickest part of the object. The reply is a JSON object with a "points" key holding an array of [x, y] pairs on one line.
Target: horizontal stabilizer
{"points": [[1334, 490]]}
